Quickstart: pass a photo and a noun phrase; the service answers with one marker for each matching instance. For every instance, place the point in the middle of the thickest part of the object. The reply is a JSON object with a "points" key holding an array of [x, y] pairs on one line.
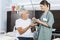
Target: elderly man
{"points": [[23, 26]]}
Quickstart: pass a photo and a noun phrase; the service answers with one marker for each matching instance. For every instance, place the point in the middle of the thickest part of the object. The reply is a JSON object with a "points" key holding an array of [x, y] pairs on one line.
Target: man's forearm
{"points": [[24, 30]]}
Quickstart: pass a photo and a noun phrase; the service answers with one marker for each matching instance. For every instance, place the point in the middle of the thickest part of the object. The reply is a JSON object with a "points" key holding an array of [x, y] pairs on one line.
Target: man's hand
{"points": [[34, 20], [32, 25]]}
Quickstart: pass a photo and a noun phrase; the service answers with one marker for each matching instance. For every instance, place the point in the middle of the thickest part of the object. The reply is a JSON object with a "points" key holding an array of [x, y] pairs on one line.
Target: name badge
{"points": [[44, 19]]}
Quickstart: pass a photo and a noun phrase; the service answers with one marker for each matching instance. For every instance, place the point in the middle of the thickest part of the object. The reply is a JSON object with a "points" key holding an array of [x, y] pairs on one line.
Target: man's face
{"points": [[25, 14]]}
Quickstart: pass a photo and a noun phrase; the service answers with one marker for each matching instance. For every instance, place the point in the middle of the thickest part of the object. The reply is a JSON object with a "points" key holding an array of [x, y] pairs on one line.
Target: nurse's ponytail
{"points": [[49, 6], [44, 2]]}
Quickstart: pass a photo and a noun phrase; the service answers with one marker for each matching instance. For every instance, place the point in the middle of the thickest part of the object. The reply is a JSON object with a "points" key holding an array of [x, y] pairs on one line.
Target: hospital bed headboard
{"points": [[11, 18]]}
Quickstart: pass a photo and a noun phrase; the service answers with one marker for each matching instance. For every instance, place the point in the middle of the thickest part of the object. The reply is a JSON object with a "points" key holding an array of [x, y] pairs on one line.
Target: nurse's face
{"points": [[43, 7]]}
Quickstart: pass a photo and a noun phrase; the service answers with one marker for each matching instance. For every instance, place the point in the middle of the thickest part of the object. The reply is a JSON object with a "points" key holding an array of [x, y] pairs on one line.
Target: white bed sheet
{"points": [[8, 36]]}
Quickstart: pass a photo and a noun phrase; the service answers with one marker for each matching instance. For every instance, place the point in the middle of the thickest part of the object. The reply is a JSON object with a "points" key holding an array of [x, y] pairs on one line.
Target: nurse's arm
{"points": [[43, 23], [49, 23]]}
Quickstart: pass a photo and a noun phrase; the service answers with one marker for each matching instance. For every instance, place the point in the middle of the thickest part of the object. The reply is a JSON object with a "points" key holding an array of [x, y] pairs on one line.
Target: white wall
{"points": [[55, 4], [0, 15], [3, 14]]}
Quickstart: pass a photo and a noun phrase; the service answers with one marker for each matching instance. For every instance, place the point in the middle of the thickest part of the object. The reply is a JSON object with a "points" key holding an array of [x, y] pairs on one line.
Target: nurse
{"points": [[46, 21]]}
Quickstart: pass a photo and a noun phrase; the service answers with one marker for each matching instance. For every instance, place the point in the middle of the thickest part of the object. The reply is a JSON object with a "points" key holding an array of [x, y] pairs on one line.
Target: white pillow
{"points": [[57, 39]]}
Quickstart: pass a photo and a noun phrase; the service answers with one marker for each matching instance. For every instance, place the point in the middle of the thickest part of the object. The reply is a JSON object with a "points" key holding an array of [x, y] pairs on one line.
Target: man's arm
{"points": [[21, 31]]}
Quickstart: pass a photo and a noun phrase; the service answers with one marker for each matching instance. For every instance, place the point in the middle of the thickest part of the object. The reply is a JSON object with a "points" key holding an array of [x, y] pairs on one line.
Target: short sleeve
{"points": [[17, 24], [50, 20]]}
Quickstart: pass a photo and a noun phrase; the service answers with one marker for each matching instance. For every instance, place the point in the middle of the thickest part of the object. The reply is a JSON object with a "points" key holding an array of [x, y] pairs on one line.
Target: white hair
{"points": [[21, 12]]}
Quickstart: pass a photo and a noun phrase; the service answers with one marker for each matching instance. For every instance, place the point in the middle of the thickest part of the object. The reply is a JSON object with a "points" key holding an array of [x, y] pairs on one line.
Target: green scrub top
{"points": [[45, 33]]}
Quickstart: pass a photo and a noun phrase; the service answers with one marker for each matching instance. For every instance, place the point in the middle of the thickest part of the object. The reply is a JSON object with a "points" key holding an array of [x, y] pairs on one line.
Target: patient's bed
{"points": [[8, 36], [56, 39]]}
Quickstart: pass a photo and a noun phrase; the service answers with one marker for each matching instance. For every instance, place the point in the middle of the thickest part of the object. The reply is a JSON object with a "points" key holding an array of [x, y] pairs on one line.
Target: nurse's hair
{"points": [[44, 2]]}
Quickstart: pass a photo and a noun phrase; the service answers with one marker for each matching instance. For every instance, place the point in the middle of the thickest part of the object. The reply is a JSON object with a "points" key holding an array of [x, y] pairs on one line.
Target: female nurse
{"points": [[46, 21]]}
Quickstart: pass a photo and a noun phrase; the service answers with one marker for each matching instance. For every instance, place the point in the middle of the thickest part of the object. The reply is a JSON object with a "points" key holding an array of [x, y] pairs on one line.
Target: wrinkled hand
{"points": [[34, 20], [33, 25]]}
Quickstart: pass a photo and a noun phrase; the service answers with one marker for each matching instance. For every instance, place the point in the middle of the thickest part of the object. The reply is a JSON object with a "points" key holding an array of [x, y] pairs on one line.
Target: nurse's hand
{"points": [[38, 21]]}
